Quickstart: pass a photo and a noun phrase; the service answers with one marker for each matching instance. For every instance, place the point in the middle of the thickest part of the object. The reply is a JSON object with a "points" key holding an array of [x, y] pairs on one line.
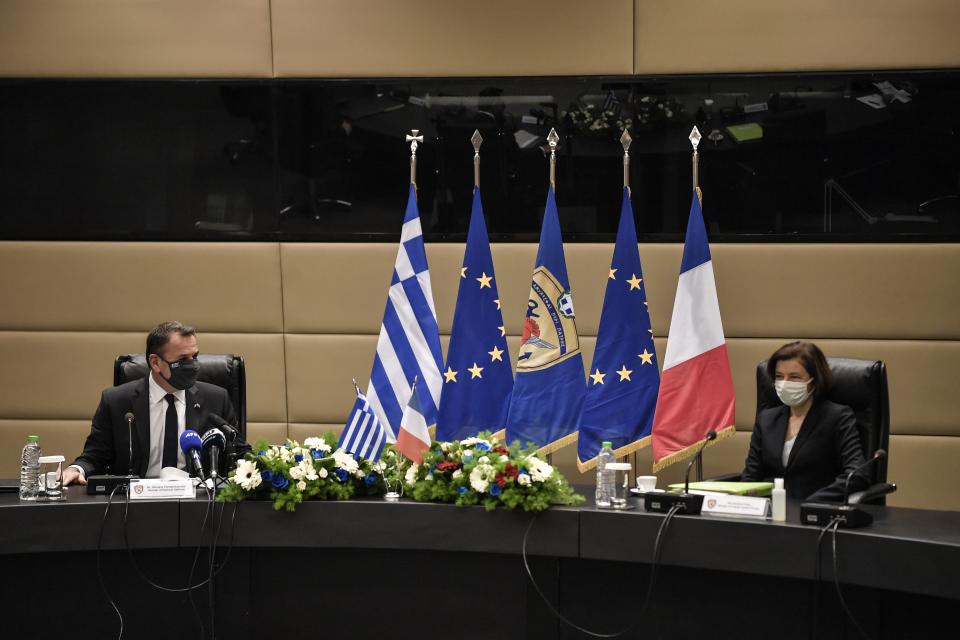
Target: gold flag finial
{"points": [[414, 138], [695, 141], [477, 140], [626, 140], [553, 140]]}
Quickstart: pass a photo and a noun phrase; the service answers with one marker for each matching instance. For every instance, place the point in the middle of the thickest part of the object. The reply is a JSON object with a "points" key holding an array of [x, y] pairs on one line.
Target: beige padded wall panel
{"points": [[924, 468], [58, 375], [61, 374], [691, 36], [272, 432], [114, 286], [340, 38], [265, 367], [902, 291], [145, 38], [56, 437]]}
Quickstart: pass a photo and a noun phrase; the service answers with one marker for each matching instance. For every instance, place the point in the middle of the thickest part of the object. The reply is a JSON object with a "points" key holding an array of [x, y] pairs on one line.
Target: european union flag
{"points": [[623, 381], [549, 387], [478, 379]]}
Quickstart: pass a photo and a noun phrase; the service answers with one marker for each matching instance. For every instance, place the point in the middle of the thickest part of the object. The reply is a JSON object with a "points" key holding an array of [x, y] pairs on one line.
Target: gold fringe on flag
{"points": [[691, 450], [623, 451], [556, 445]]}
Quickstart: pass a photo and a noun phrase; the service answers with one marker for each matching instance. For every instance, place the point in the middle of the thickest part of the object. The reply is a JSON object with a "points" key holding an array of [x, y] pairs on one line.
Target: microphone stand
{"points": [[848, 516], [686, 503]]}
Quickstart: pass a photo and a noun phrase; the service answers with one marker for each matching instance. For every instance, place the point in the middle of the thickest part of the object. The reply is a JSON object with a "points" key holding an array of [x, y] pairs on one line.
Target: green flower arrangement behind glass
{"points": [[479, 470], [291, 473]]}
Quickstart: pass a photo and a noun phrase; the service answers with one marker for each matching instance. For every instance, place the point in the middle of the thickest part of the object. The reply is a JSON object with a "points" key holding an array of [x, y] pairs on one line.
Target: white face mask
{"points": [[792, 393]]}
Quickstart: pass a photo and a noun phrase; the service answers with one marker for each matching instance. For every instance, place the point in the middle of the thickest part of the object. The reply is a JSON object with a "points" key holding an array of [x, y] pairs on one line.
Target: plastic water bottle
{"points": [[30, 469], [605, 477]]}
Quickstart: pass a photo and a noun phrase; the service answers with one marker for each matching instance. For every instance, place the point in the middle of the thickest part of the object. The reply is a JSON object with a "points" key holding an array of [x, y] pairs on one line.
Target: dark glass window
{"points": [[810, 157]]}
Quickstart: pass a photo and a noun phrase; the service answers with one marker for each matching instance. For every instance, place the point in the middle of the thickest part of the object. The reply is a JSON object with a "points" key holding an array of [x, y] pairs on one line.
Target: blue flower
{"points": [[462, 490], [298, 458], [467, 459], [495, 490], [267, 475], [483, 446], [279, 481], [370, 480], [316, 453], [342, 475], [261, 452]]}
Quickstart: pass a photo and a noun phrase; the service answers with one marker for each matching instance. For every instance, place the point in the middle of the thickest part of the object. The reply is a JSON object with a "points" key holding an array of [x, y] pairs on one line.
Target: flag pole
{"points": [[414, 137], [695, 141], [477, 140], [553, 141], [626, 140]]}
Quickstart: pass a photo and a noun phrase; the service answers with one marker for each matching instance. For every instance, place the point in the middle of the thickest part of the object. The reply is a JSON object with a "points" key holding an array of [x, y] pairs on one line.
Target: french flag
{"points": [[413, 438], [696, 387]]}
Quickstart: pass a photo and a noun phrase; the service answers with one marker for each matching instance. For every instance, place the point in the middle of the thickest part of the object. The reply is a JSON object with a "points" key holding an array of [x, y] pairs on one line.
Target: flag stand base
{"points": [[391, 496]]}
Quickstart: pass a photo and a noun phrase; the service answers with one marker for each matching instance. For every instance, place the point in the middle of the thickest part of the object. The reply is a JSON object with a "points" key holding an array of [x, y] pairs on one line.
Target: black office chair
{"points": [[225, 371], [862, 386]]}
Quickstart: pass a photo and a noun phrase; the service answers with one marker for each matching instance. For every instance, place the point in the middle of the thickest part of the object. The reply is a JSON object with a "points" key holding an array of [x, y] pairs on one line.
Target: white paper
{"points": [[723, 504]]}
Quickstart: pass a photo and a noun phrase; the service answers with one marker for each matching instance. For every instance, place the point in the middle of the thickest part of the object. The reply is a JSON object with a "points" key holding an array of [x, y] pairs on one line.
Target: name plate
{"points": [[157, 489], [722, 504]]}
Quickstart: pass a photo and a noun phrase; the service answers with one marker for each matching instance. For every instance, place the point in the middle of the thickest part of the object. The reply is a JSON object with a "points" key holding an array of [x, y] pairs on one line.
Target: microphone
{"points": [[711, 436], [849, 516], [191, 445], [228, 430], [688, 503], [129, 417], [214, 440], [879, 454]]}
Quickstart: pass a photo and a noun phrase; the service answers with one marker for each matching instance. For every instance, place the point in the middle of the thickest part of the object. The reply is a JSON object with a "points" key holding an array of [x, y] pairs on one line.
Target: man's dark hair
{"points": [[159, 336]]}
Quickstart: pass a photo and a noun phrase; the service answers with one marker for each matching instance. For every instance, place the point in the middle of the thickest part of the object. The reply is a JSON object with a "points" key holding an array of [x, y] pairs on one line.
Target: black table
{"points": [[374, 569]]}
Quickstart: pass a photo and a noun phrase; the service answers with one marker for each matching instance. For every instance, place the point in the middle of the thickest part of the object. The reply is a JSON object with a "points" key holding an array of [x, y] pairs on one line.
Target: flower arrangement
{"points": [[290, 473], [646, 112], [652, 111], [589, 118], [479, 470]]}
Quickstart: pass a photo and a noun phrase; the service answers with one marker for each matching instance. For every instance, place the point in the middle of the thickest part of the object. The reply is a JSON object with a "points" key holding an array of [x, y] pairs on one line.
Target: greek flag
{"points": [[409, 344], [363, 435]]}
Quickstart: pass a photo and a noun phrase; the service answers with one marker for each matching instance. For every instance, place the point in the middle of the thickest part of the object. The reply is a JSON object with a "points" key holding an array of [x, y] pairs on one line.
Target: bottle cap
{"points": [[778, 483], [607, 443], [33, 438]]}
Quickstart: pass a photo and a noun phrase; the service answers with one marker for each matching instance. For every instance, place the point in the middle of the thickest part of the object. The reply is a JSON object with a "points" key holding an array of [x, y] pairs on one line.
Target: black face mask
{"points": [[183, 373]]}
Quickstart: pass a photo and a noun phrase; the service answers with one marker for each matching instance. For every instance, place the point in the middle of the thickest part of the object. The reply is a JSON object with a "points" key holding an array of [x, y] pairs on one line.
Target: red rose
{"points": [[501, 480], [502, 450], [448, 465], [511, 471]]}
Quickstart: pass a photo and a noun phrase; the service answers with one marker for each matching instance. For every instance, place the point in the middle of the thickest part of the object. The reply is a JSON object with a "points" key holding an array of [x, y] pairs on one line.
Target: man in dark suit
{"points": [[155, 410]]}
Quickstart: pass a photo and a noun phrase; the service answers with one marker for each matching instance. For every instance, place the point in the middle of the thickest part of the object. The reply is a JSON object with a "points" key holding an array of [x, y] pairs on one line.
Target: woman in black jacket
{"points": [[809, 441]]}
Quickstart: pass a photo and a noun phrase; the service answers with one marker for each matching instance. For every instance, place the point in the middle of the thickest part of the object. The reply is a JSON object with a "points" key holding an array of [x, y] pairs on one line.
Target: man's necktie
{"points": [[170, 433]]}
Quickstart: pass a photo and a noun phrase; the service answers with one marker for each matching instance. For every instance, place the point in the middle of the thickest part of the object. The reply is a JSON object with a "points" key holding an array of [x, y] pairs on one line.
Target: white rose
{"points": [[359, 473], [345, 461], [444, 446], [457, 474], [322, 473], [504, 458], [301, 485], [247, 475], [484, 460], [466, 452], [523, 479]]}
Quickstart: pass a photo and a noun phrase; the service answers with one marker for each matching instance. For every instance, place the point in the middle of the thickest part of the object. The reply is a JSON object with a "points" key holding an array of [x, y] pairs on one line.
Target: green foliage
{"points": [[474, 471], [480, 471]]}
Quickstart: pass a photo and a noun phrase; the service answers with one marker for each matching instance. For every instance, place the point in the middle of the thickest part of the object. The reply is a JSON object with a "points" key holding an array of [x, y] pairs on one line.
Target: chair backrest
{"points": [[862, 386], [223, 370]]}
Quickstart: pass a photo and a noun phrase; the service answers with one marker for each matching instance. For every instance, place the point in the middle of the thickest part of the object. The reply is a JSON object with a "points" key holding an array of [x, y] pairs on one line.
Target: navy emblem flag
{"points": [[363, 435], [478, 378], [549, 386], [409, 345], [623, 381]]}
